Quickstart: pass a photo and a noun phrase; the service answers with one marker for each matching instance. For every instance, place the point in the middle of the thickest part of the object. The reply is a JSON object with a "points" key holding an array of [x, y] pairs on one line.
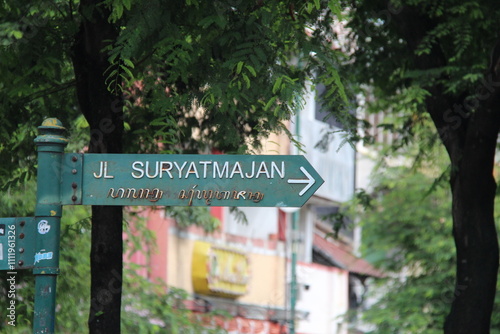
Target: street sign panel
{"points": [[17, 243], [188, 180]]}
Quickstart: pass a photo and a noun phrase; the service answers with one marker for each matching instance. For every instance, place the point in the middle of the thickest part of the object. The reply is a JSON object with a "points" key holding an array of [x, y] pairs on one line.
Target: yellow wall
{"points": [[267, 283], [267, 273], [179, 262]]}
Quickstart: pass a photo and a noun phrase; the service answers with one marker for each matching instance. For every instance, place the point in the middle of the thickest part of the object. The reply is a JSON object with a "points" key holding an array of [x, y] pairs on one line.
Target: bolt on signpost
{"points": [[137, 179]]}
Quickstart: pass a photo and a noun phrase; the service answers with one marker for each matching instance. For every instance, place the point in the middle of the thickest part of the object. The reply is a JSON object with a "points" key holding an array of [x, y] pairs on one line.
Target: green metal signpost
{"points": [[136, 179]]}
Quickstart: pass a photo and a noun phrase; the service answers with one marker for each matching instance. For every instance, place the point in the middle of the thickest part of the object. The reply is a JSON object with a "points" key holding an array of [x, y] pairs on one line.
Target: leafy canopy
{"points": [[406, 234], [404, 59], [194, 75]]}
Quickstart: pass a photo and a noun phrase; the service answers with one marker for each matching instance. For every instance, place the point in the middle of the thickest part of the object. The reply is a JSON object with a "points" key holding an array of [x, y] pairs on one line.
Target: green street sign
{"points": [[17, 243], [135, 179], [188, 180]]}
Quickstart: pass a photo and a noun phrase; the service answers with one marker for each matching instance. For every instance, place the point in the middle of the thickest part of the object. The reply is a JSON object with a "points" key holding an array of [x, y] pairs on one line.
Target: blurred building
{"points": [[281, 272]]}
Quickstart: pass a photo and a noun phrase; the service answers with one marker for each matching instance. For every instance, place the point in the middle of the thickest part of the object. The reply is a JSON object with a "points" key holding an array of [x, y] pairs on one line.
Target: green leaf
{"points": [[117, 12], [239, 67], [251, 70], [127, 71], [309, 7], [270, 103], [17, 34], [246, 79], [277, 85], [128, 63], [127, 4]]}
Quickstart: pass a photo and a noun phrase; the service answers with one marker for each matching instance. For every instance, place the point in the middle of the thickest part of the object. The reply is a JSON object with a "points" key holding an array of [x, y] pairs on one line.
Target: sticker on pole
{"points": [[43, 227]]}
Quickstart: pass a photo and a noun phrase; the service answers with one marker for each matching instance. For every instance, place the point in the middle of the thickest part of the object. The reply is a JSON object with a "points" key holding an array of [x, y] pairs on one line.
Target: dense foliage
{"points": [[244, 63], [232, 71], [420, 60], [406, 234]]}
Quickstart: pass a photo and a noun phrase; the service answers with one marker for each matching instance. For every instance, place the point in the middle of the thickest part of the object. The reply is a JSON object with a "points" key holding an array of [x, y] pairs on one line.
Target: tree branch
{"points": [[49, 91]]}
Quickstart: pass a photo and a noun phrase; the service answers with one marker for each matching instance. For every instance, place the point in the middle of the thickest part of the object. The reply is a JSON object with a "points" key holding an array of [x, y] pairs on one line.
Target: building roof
{"points": [[340, 255]]}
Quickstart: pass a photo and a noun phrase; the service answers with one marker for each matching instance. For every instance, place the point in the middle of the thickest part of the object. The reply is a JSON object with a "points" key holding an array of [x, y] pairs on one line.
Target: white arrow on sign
{"points": [[309, 181]]}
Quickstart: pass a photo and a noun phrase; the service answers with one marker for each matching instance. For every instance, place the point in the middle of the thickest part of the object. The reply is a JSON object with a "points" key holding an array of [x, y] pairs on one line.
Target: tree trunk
{"points": [[471, 141], [473, 191], [468, 127], [472, 151], [103, 110]]}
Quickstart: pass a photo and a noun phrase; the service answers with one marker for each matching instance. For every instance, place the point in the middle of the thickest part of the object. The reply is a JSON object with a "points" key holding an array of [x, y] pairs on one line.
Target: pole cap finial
{"points": [[51, 133], [52, 124]]}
